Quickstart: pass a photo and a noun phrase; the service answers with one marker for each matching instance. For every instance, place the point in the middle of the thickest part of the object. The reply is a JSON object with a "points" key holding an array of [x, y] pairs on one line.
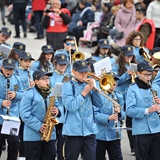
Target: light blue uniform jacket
{"points": [[98, 58], [33, 112], [124, 80], [15, 85], [106, 130], [157, 79], [137, 101], [23, 74], [36, 65], [139, 58], [79, 116]]}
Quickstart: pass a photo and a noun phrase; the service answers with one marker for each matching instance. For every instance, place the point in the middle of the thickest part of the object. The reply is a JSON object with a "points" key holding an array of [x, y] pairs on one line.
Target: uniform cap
{"points": [[6, 31], [127, 50], [61, 59], [40, 73], [144, 67], [47, 49], [81, 66], [104, 43], [19, 47], [26, 55], [9, 63]]}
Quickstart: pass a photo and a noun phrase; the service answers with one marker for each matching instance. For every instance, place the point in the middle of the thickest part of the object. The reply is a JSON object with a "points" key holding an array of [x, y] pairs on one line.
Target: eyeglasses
{"points": [[69, 44], [45, 79], [148, 75], [137, 39], [9, 69]]}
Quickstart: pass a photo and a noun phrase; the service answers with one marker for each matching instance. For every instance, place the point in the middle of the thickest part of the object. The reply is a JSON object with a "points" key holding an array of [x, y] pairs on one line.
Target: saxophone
{"points": [[7, 90], [50, 121]]}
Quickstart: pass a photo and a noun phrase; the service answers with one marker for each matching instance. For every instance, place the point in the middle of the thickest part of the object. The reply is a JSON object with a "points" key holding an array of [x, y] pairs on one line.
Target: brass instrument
{"points": [[50, 121], [106, 82], [7, 90], [157, 56], [146, 56], [77, 55]]}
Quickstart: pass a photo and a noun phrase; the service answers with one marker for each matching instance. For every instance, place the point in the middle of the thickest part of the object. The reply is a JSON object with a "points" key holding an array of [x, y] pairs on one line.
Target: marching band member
{"points": [[17, 49], [34, 105], [45, 60], [25, 75], [79, 126], [136, 39], [121, 68], [5, 34], [11, 93], [108, 120], [103, 50], [142, 105], [60, 62]]}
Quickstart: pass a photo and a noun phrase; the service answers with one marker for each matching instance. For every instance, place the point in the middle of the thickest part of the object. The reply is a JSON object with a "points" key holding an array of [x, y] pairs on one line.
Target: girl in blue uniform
{"points": [[60, 62], [33, 109], [121, 68], [136, 39], [103, 50], [25, 75], [17, 49], [45, 60], [108, 119], [143, 106]]}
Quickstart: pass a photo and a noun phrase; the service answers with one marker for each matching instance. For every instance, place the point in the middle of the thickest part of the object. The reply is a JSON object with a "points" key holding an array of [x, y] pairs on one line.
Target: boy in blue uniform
{"points": [[79, 126], [11, 93], [108, 119], [33, 109], [143, 106]]}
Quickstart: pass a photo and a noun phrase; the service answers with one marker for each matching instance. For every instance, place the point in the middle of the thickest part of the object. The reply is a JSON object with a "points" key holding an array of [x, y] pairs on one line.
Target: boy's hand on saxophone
{"points": [[55, 111], [43, 128]]}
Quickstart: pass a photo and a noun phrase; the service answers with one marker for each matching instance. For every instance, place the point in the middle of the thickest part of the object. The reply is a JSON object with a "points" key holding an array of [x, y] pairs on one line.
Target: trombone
{"points": [[77, 55]]}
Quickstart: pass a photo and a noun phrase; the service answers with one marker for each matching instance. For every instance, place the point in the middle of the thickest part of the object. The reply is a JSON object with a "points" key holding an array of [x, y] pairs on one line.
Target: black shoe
{"points": [[16, 37], [25, 35], [3, 22], [3, 147], [132, 151], [39, 37]]}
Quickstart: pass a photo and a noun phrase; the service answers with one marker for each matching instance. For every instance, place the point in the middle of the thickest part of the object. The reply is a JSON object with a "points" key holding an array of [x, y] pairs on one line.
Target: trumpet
{"points": [[106, 82]]}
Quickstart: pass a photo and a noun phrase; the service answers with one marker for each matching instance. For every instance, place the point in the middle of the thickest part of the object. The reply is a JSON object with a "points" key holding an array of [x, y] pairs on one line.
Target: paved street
{"points": [[34, 47]]}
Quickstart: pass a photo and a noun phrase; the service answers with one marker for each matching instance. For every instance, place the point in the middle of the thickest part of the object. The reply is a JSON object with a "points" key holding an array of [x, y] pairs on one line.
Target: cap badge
{"points": [[129, 48], [20, 47], [8, 31], [67, 37], [28, 54], [83, 63], [63, 57], [49, 47], [105, 42], [43, 70], [9, 61]]}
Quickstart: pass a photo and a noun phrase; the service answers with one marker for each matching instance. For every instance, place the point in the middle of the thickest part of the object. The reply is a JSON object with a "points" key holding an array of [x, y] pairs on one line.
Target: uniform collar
{"points": [[21, 68], [58, 72], [76, 80]]}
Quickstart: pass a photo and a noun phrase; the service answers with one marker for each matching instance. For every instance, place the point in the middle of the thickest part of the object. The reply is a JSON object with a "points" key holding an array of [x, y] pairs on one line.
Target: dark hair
{"points": [[12, 55], [42, 60], [97, 52], [82, 2], [121, 62], [132, 35], [141, 9]]}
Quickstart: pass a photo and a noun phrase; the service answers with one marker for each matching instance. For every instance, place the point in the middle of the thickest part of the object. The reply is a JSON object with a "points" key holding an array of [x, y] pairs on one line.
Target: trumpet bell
{"points": [[78, 56], [106, 82], [156, 55]]}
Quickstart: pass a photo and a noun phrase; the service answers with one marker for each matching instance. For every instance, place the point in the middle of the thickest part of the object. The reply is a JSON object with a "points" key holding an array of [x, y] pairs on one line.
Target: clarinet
{"points": [[115, 122], [48, 66], [29, 79], [7, 90], [154, 94]]}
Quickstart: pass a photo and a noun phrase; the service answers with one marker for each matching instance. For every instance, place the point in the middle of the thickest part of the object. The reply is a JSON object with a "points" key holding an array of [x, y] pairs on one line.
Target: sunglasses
{"points": [[69, 44]]}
